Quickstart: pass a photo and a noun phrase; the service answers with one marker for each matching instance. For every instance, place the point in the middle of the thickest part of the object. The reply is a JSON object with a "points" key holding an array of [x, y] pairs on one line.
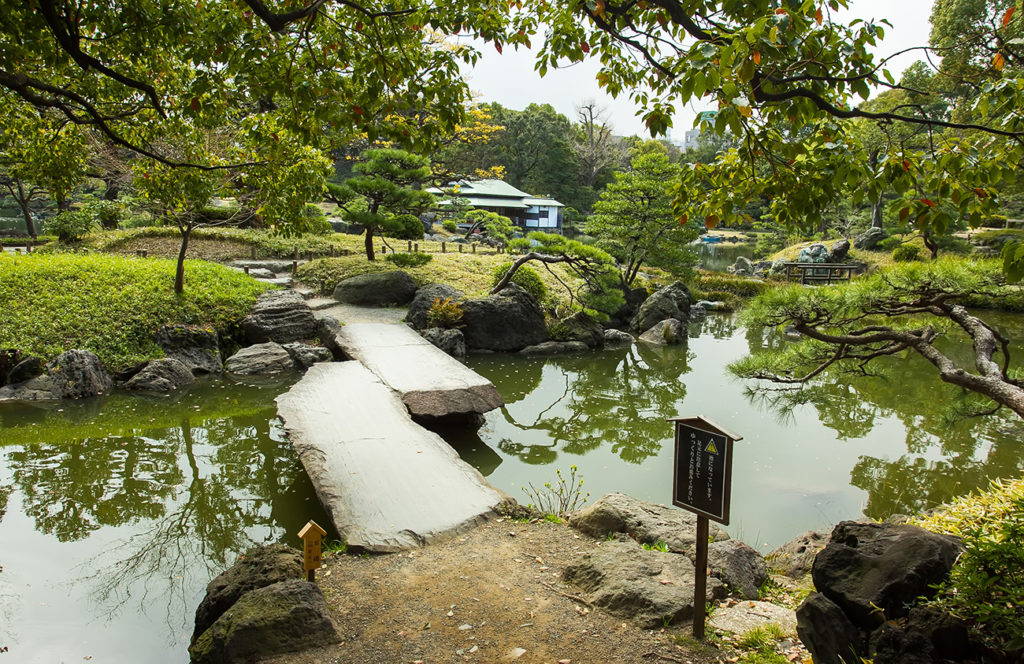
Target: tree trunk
{"points": [[179, 273], [932, 245], [23, 203], [369, 244], [876, 213]]}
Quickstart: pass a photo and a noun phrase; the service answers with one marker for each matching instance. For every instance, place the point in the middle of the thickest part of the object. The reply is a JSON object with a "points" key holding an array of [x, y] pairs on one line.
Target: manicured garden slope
{"points": [[111, 305]]}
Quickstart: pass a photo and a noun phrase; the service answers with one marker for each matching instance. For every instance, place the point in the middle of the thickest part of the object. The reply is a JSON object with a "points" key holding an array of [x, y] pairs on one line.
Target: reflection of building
{"points": [[525, 211]]}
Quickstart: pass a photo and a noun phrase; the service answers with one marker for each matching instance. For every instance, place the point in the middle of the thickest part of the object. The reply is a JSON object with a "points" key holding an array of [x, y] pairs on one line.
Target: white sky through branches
{"points": [[509, 78]]}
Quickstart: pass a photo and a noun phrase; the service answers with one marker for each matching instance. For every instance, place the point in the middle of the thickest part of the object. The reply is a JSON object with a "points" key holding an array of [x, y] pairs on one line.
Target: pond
{"points": [[115, 512], [716, 256]]}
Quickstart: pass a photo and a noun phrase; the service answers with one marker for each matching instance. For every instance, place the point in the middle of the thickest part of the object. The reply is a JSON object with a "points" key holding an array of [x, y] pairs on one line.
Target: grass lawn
{"points": [[111, 305]]}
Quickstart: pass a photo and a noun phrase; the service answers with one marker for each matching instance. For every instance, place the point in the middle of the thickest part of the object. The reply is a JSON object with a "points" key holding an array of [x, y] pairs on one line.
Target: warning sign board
{"points": [[703, 468]]}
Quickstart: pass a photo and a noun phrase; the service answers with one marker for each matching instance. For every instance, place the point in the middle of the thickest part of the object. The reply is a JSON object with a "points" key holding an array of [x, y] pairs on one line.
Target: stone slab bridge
{"points": [[386, 482]]}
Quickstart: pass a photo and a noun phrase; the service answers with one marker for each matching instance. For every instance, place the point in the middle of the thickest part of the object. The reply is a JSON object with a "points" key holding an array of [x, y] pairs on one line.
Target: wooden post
{"points": [[416, 247], [311, 536], [145, 253], [700, 578], [442, 248], [332, 251], [246, 268], [474, 247], [252, 252], [383, 249], [295, 253], [408, 246], [28, 248], [295, 268], [460, 247]]}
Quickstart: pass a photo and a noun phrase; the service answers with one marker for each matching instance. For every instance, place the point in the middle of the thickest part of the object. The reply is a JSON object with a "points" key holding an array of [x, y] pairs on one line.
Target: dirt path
{"points": [[493, 595]]}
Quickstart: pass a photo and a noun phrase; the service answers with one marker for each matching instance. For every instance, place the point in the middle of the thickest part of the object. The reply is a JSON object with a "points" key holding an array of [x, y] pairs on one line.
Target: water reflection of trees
{"points": [[641, 385], [946, 455], [198, 492]]}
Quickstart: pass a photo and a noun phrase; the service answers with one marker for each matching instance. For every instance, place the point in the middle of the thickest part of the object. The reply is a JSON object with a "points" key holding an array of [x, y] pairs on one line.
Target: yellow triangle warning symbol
{"points": [[711, 449]]}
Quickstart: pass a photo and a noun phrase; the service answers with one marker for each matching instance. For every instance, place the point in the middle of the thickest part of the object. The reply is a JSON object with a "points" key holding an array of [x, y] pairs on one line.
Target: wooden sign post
{"points": [[311, 534], [701, 484]]}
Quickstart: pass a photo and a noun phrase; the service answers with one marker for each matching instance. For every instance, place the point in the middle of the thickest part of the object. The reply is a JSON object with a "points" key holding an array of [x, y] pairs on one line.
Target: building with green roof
{"points": [[531, 213]]}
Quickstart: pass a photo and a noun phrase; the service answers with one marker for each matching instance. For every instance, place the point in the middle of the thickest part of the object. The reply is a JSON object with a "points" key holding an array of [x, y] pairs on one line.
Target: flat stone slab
{"points": [[431, 382], [745, 615], [387, 483]]}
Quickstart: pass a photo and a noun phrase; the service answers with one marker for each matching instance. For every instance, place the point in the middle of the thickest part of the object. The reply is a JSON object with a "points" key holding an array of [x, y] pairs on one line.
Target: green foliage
{"points": [[561, 499], [906, 253], [890, 243], [986, 586], [493, 224], [316, 221], [70, 226], [634, 220], [111, 305], [656, 546], [108, 213], [525, 277], [268, 243], [403, 227], [411, 259], [450, 225], [335, 547], [445, 313]]}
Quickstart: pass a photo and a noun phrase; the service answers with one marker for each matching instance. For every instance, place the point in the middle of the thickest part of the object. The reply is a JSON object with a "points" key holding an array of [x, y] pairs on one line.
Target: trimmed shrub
{"points": [[906, 253], [404, 227], [525, 277], [70, 226], [450, 225], [411, 259]]}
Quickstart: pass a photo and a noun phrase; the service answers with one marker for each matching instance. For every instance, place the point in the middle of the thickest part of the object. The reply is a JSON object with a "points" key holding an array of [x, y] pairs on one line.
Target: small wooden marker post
{"points": [[311, 534], [701, 483]]}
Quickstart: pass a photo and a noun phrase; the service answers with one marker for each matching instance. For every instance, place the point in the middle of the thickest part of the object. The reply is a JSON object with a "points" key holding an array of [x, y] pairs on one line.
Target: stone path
{"points": [[387, 483]]}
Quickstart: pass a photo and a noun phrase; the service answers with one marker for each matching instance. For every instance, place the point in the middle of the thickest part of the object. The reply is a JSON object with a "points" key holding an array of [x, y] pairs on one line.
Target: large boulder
{"points": [[669, 332], [555, 348], [581, 327], [869, 577], [646, 522], [268, 358], [633, 299], [869, 239], [259, 567], [507, 321], [39, 388], [305, 355], [381, 289], [164, 375], [928, 635], [78, 374], [795, 557], [815, 253], [284, 617], [279, 316], [875, 571], [651, 587], [450, 341], [618, 338], [26, 369], [827, 633], [739, 566], [743, 267], [198, 348], [839, 251], [424, 299], [672, 301]]}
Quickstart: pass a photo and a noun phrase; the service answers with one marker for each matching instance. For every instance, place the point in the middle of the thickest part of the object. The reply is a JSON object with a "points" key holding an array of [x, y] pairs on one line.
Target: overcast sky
{"points": [[509, 78]]}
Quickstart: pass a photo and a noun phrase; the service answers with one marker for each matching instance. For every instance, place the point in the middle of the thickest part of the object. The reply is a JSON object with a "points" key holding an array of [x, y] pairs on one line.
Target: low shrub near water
{"points": [[986, 586], [111, 305], [525, 277]]}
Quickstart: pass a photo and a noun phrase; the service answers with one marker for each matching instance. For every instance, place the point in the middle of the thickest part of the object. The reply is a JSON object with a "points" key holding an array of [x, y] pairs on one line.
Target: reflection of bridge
{"points": [[820, 273], [387, 482]]}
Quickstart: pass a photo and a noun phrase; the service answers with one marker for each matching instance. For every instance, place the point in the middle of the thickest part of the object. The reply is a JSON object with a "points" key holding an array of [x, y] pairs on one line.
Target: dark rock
{"points": [[259, 567], [284, 617], [78, 374], [279, 316], [839, 251], [581, 327], [164, 375], [261, 273], [815, 253], [873, 572], [450, 341], [869, 239], [618, 338], [650, 587], [198, 348], [794, 558], [672, 301], [739, 566], [393, 288], [778, 266], [26, 369], [268, 358], [555, 348], [928, 636], [743, 267], [327, 330], [39, 388], [424, 299], [633, 299], [305, 355], [507, 321], [646, 522], [827, 633], [669, 332]]}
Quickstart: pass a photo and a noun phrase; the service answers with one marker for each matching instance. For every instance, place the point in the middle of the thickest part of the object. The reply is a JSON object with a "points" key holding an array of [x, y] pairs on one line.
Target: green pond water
{"points": [[115, 512], [716, 256]]}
